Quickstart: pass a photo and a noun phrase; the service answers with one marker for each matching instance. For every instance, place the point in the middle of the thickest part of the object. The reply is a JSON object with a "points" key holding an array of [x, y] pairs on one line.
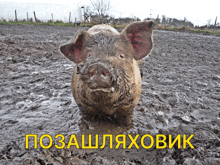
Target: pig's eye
{"points": [[89, 54], [121, 55]]}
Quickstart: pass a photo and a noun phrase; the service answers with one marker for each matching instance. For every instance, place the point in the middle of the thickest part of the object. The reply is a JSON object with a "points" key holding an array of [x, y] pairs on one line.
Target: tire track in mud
{"points": [[180, 95]]}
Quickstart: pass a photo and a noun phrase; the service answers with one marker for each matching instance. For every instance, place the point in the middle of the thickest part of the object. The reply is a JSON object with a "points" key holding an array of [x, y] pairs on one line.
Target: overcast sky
{"points": [[196, 11]]}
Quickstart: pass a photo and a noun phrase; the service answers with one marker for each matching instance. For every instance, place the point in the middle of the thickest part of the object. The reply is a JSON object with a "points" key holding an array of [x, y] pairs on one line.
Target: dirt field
{"points": [[180, 95]]}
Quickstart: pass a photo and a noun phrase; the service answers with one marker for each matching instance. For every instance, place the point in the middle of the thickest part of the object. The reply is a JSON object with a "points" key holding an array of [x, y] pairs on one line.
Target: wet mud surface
{"points": [[180, 95]]}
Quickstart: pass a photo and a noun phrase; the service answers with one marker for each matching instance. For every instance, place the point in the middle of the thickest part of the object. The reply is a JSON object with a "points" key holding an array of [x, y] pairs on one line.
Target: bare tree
{"points": [[99, 11], [100, 7], [87, 13]]}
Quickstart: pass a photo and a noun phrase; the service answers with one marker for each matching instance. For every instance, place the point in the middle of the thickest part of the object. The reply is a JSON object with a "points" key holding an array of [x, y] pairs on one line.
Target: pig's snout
{"points": [[98, 76], [99, 72]]}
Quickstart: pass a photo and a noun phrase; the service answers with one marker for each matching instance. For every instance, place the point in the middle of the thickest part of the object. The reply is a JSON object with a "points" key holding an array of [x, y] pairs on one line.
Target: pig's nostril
{"points": [[105, 73], [90, 74]]}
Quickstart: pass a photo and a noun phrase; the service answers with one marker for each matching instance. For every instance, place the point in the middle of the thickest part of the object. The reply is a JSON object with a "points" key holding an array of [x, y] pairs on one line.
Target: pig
{"points": [[107, 81]]}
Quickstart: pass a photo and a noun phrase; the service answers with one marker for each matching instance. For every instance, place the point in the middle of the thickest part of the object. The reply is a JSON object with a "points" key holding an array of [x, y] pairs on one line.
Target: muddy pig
{"points": [[106, 81]]}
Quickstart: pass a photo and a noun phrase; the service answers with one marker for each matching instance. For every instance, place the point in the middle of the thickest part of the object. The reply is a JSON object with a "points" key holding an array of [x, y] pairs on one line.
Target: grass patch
{"points": [[14, 23], [57, 23], [119, 26], [207, 31], [61, 23]]}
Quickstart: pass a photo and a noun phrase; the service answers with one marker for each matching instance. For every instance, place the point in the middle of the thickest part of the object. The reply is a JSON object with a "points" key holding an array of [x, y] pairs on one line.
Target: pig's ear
{"points": [[140, 36], [73, 49]]}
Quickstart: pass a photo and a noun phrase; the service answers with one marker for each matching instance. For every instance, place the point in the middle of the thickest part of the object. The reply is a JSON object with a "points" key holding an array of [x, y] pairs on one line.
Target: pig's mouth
{"points": [[99, 87], [104, 85], [105, 90]]}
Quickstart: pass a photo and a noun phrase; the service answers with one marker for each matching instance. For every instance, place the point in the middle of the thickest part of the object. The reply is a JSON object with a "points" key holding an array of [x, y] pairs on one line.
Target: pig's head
{"points": [[107, 72]]}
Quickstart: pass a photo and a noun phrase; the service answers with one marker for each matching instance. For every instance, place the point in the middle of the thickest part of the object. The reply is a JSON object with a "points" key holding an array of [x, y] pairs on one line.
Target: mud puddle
{"points": [[180, 95]]}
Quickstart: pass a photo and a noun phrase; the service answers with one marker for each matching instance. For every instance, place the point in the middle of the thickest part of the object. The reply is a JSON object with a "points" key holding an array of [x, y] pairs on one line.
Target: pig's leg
{"points": [[125, 117]]}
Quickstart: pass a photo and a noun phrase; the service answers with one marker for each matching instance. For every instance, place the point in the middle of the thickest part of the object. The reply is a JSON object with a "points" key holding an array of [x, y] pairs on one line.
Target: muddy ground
{"points": [[180, 95]]}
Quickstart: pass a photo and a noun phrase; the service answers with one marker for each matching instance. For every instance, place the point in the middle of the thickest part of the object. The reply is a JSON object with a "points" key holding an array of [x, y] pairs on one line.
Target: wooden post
{"points": [[75, 22], [35, 18], [69, 17], [16, 19], [52, 19], [215, 22], [27, 18], [157, 18]]}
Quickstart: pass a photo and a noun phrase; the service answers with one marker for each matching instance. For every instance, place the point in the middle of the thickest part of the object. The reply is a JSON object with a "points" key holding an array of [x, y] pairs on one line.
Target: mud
{"points": [[180, 95]]}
